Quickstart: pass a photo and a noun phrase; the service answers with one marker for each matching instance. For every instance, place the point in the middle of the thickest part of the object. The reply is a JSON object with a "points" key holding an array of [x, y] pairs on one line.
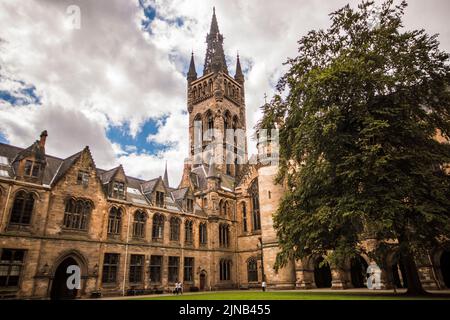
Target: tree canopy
{"points": [[359, 111]]}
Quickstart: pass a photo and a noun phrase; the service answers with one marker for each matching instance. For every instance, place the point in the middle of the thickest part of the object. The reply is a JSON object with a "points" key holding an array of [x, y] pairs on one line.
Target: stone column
{"points": [[304, 276]]}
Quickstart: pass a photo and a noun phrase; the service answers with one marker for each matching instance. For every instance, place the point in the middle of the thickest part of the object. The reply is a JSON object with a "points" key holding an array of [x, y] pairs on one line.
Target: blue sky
{"points": [[118, 83]]}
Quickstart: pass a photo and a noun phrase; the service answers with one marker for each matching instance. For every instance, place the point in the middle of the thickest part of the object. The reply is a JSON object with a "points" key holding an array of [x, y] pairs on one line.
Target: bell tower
{"points": [[216, 106]]}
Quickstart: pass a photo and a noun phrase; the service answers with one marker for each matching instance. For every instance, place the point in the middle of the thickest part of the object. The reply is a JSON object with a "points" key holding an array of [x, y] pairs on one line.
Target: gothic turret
{"points": [[239, 76], [215, 56], [192, 74]]}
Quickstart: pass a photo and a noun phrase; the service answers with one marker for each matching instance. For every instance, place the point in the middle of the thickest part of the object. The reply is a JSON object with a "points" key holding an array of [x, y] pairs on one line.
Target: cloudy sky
{"points": [[117, 83]]}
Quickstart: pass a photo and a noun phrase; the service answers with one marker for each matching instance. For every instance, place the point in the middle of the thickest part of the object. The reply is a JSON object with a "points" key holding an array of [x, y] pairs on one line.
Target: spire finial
{"points": [[166, 177], [192, 74], [215, 56], [239, 76]]}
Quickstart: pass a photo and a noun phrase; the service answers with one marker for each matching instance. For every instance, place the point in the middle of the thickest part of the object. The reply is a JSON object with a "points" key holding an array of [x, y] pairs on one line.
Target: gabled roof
{"points": [[180, 193], [200, 174], [148, 186], [65, 165], [13, 153], [137, 189]]}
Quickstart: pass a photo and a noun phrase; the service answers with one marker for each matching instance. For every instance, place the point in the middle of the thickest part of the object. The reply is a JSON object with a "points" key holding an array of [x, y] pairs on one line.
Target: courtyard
{"points": [[315, 294]]}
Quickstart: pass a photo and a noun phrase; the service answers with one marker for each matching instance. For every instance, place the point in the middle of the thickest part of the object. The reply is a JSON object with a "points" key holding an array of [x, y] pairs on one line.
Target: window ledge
{"points": [[71, 230], [109, 285]]}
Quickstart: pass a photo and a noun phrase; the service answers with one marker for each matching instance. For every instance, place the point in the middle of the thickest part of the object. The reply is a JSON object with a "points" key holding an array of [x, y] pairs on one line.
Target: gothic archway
{"points": [[445, 267], [203, 280], [322, 274], [358, 272], [60, 290]]}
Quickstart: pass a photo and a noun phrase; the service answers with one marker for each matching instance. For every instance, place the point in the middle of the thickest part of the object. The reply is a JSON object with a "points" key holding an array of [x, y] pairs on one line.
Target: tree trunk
{"points": [[412, 275]]}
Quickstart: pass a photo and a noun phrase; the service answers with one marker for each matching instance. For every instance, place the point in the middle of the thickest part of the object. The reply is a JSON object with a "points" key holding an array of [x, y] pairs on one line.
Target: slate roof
{"points": [[148, 186], [199, 176], [63, 167], [179, 193]]}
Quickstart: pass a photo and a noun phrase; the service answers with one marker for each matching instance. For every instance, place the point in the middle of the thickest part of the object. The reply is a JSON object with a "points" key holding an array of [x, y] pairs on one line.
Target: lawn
{"points": [[291, 295]]}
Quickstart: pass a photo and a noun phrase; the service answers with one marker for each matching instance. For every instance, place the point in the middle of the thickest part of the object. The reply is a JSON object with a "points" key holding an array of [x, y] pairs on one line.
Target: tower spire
{"points": [[192, 74], [166, 177], [239, 76], [215, 56]]}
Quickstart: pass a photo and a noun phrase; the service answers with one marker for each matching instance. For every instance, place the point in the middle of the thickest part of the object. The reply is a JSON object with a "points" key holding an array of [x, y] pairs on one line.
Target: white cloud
{"points": [[110, 72]]}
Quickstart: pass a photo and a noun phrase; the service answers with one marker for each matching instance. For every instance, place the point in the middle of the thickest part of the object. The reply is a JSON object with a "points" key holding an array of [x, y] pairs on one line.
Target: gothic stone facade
{"points": [[214, 231]]}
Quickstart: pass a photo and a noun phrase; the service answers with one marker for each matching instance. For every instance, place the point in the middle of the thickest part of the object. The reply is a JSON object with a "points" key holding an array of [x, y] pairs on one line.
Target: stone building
{"points": [[127, 235]]}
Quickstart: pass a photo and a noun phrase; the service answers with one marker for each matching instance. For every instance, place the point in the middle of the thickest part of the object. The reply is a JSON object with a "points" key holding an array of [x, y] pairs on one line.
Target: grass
{"points": [[291, 295]]}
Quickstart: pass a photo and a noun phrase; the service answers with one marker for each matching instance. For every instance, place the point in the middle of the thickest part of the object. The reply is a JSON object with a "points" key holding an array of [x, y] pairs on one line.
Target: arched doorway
{"points": [[398, 273], [59, 290], [322, 274], [202, 281], [445, 267], [358, 272]]}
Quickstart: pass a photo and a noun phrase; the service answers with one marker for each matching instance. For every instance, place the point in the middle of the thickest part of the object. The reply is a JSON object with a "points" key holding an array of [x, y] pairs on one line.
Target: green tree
{"points": [[358, 112]]}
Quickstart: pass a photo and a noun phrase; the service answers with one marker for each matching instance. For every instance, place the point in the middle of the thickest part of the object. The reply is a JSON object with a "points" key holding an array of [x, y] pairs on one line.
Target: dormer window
{"points": [[189, 205], [32, 168], [83, 178], [159, 199], [118, 191]]}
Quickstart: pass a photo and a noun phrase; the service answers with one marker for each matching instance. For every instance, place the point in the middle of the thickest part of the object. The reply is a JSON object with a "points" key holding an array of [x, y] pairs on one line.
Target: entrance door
{"points": [[59, 290], [202, 281], [358, 271], [322, 274], [445, 267]]}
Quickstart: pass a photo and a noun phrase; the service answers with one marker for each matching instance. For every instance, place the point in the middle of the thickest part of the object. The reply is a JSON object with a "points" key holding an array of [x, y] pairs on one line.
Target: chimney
{"points": [[187, 164], [185, 179], [43, 139]]}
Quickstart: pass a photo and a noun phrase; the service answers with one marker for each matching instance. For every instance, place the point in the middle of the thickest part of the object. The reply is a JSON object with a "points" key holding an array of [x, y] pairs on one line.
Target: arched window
{"points": [[224, 208], [140, 218], [203, 237], [76, 214], [225, 269], [256, 217], [226, 121], [210, 86], [235, 124], [208, 129], [114, 220], [244, 217], [210, 121], [22, 208], [252, 270], [220, 207], [175, 229], [188, 231], [224, 235], [158, 227]]}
